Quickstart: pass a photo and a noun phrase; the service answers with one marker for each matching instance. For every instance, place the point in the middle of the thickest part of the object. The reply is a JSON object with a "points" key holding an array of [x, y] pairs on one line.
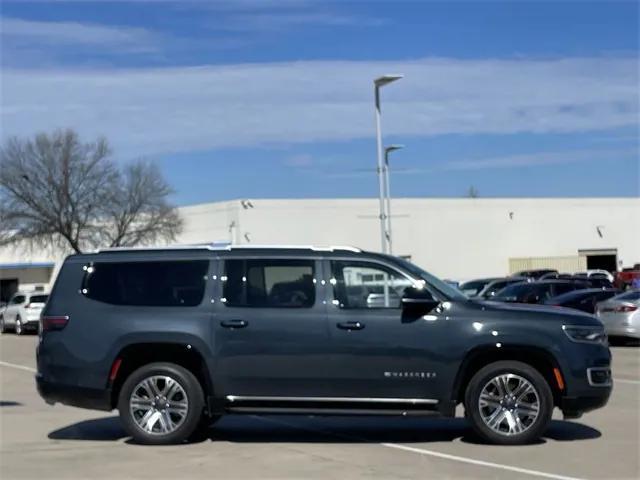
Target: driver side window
{"points": [[364, 285]]}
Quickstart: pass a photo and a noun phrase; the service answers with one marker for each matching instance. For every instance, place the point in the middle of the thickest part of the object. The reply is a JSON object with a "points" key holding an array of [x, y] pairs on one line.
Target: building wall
{"points": [[453, 238]]}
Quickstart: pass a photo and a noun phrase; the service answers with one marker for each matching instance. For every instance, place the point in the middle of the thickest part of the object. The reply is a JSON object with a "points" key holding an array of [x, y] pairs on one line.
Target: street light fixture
{"points": [[378, 84], [387, 190]]}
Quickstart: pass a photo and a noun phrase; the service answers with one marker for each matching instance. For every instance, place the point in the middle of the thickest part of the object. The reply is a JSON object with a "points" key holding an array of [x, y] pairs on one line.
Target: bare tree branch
{"points": [[57, 191]]}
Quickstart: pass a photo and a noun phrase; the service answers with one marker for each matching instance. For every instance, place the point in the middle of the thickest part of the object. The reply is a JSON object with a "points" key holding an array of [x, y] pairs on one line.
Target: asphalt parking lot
{"points": [[39, 441]]}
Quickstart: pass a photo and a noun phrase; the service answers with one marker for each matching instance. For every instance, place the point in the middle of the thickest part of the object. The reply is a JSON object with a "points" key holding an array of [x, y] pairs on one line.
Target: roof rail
{"points": [[218, 247], [317, 248], [168, 247]]}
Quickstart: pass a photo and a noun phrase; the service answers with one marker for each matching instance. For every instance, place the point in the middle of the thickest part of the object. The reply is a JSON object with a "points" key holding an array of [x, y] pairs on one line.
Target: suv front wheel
{"points": [[509, 403], [161, 403]]}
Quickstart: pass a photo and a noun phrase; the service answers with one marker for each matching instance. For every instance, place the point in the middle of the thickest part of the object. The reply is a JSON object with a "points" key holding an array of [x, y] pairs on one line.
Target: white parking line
{"points": [[19, 367], [499, 466], [624, 380], [421, 451]]}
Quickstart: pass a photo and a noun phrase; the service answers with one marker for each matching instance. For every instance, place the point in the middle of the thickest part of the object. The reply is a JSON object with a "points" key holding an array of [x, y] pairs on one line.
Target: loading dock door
{"points": [[604, 259], [8, 286]]}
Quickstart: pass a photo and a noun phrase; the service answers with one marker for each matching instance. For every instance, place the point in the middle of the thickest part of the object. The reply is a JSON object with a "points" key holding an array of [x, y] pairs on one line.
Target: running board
{"points": [[332, 411], [331, 405], [409, 401]]}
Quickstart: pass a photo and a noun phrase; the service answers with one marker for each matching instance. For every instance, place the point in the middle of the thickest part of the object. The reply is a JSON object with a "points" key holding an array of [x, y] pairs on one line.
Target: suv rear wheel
{"points": [[161, 403], [509, 403]]}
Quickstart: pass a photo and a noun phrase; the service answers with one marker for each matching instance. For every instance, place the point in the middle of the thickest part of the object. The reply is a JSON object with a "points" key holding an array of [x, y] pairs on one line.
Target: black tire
{"points": [[191, 387], [473, 410], [19, 327], [3, 327]]}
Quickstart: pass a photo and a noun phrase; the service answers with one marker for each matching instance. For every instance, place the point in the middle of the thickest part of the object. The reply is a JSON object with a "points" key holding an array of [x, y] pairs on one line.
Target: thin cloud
{"points": [[280, 20], [26, 33], [543, 158], [162, 110]]}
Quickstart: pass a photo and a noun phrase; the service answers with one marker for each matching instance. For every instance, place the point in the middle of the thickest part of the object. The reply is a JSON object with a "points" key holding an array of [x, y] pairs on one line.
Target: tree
{"points": [[57, 191]]}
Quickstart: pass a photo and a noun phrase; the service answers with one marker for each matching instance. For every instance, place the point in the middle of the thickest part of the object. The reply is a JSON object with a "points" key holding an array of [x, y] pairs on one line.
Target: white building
{"points": [[453, 238]]}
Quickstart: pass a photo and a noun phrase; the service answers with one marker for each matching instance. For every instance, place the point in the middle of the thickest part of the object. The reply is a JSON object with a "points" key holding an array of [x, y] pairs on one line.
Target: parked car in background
{"points": [[537, 292], [584, 300], [597, 272], [494, 287], [600, 281], [22, 313], [474, 287], [627, 276], [536, 274], [621, 314], [557, 276]]}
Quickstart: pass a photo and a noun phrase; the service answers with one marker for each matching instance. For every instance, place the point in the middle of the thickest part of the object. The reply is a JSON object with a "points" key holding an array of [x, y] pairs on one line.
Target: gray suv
{"points": [[175, 338]]}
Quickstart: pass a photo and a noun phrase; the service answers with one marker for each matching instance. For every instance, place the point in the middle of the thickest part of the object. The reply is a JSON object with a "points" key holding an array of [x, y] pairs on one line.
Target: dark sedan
{"points": [[584, 300], [474, 287], [537, 292], [536, 274], [494, 287]]}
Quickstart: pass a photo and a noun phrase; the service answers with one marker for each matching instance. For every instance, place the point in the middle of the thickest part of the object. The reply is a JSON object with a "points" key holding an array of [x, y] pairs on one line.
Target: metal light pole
{"points": [[379, 83], [387, 190]]}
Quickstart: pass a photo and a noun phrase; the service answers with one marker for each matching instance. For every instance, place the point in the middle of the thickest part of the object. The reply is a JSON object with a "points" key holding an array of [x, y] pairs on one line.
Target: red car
{"points": [[625, 278]]}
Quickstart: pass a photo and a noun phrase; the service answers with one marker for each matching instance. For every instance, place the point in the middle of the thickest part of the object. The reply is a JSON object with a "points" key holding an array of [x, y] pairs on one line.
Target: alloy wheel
{"points": [[18, 326], [509, 404], [158, 405]]}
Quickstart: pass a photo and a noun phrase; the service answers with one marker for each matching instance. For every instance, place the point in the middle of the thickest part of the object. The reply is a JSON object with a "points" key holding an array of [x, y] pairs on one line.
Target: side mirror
{"points": [[418, 301]]}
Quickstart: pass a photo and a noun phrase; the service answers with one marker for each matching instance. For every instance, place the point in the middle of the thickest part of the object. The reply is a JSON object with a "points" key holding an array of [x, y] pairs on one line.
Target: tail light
{"points": [[625, 309], [51, 323]]}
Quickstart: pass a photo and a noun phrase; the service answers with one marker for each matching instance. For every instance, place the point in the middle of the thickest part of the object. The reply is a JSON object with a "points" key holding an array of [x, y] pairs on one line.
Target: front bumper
{"points": [[574, 407], [74, 396]]}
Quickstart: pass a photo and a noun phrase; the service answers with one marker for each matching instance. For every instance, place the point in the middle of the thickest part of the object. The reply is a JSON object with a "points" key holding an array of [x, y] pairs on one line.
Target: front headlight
{"points": [[586, 334]]}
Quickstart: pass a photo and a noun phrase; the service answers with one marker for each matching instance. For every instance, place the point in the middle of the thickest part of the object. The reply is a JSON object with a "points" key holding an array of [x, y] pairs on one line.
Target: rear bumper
{"points": [[622, 331], [73, 395]]}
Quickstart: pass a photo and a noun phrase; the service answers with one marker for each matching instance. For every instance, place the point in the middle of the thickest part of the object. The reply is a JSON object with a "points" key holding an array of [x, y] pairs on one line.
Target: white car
{"points": [[621, 314], [22, 313], [597, 273]]}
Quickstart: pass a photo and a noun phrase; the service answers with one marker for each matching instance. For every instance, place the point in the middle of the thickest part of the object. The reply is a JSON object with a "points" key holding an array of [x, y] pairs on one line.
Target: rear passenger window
{"points": [[153, 284], [269, 283]]}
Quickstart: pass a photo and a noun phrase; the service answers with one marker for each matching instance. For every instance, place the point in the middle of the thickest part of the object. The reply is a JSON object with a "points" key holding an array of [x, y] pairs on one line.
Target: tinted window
{"points": [[39, 298], [18, 299], [270, 283], [560, 288], [635, 295], [473, 287], [367, 285], [163, 284]]}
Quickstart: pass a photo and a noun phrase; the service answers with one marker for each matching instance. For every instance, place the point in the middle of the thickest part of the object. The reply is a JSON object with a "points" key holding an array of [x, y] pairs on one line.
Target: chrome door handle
{"points": [[234, 323], [350, 325]]}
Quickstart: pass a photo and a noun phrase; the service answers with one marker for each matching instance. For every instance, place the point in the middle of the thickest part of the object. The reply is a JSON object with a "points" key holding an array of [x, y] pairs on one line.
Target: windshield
{"points": [[451, 293], [515, 291]]}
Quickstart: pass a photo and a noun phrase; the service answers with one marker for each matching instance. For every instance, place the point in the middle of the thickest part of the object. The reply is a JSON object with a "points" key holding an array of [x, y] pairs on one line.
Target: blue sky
{"points": [[273, 98]]}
